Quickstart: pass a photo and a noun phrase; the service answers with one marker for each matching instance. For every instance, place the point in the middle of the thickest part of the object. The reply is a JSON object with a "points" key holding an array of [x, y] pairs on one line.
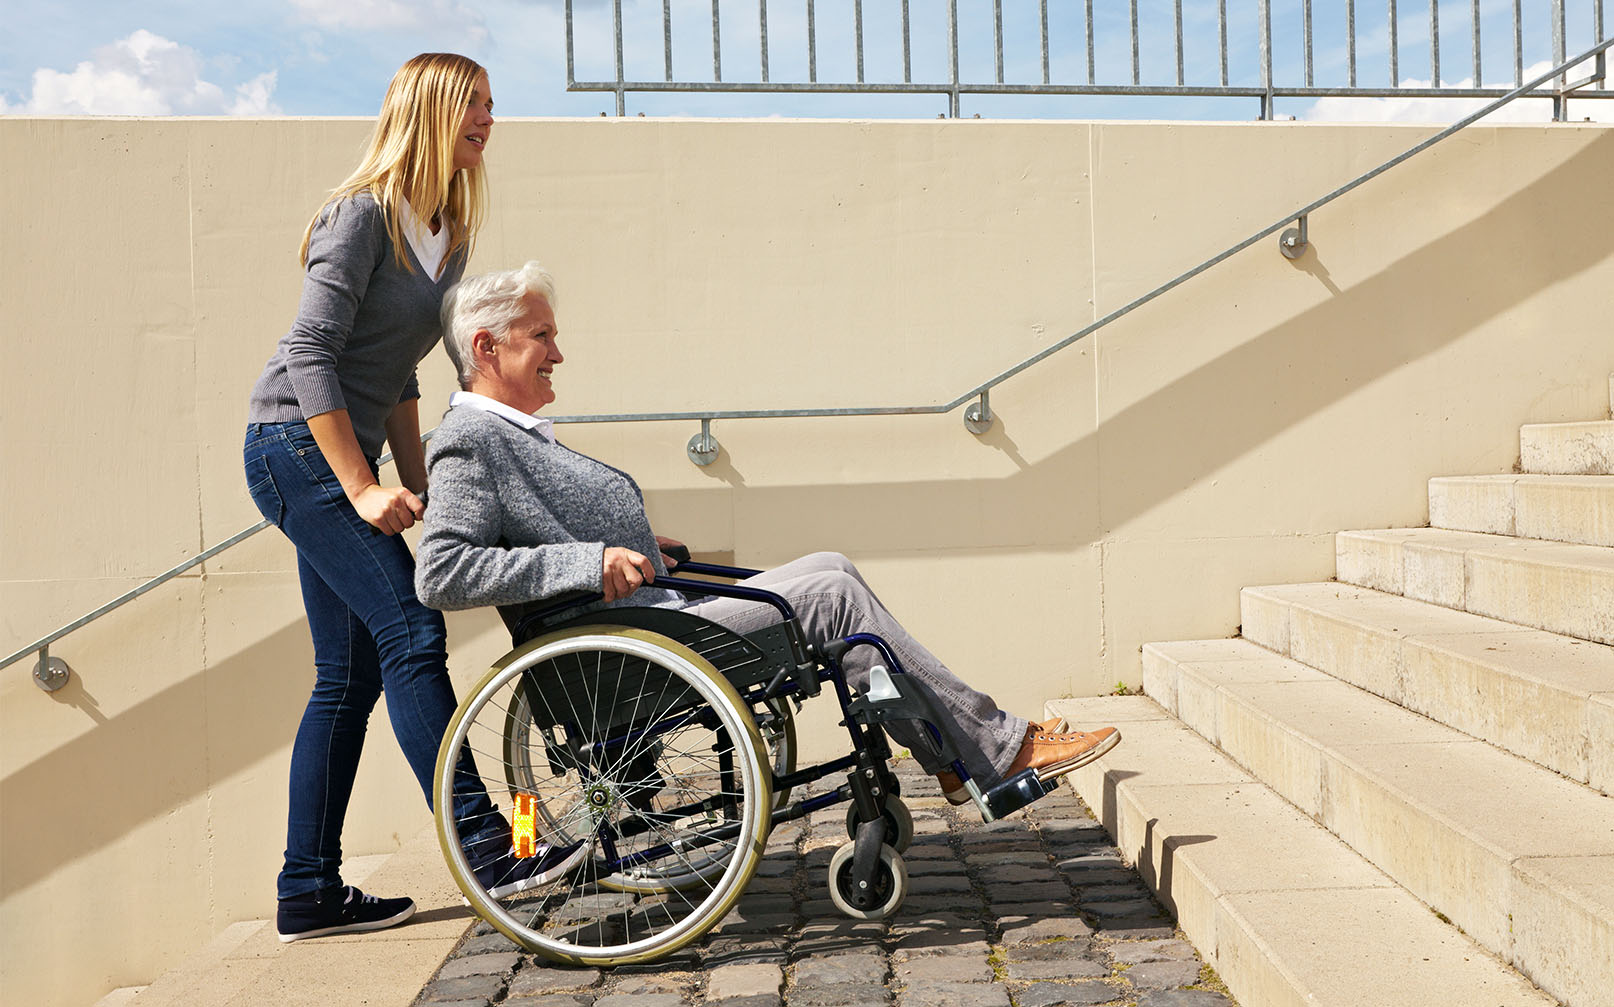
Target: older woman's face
{"points": [[518, 371]]}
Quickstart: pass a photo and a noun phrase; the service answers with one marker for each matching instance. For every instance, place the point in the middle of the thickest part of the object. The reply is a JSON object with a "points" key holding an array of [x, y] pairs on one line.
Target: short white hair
{"points": [[489, 302]]}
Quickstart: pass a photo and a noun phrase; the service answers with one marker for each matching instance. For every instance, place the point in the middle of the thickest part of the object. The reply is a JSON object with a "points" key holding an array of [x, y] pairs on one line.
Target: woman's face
{"points": [[519, 373], [475, 125]]}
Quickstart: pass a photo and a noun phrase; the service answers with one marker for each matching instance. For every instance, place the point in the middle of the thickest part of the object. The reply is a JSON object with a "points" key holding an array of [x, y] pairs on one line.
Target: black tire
{"points": [[898, 823]]}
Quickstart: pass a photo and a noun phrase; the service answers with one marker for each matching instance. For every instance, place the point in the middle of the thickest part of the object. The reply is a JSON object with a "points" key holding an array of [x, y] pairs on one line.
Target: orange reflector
{"points": [[524, 825]]}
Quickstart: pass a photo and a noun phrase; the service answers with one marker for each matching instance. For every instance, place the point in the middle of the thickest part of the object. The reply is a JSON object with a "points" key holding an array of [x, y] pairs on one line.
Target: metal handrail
{"points": [[52, 673], [52, 676]]}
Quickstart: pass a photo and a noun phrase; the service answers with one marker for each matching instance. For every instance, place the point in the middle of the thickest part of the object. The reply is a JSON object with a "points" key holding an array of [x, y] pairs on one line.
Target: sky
{"points": [[334, 57]]}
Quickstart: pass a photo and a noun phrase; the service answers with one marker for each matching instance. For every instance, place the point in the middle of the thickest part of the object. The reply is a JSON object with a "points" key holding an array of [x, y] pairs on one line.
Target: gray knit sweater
{"points": [[363, 325], [514, 518]]}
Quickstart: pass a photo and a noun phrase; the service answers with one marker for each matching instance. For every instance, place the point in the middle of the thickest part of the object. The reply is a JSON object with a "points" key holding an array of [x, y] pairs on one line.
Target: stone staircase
{"points": [[1394, 788]]}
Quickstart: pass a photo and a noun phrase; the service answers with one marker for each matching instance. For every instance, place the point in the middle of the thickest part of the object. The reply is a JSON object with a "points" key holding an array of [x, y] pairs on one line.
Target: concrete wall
{"points": [[1131, 485]]}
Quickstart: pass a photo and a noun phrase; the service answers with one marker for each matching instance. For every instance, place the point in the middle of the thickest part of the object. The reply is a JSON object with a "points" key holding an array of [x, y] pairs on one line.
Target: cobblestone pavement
{"points": [[1036, 910]]}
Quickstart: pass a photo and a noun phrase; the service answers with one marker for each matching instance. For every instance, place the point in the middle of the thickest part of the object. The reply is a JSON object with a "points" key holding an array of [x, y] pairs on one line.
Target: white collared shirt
{"points": [[429, 248], [541, 425]]}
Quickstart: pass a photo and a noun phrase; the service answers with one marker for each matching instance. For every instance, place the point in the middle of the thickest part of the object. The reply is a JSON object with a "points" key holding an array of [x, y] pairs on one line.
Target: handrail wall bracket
{"points": [[703, 447], [51, 673], [978, 415], [1294, 242]]}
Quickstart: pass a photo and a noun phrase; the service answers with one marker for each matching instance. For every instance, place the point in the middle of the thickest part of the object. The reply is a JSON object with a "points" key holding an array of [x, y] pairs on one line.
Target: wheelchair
{"points": [[663, 745]]}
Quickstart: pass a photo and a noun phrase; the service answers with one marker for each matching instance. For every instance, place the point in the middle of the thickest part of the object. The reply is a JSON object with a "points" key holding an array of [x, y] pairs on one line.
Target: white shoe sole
{"points": [[351, 928], [1096, 752]]}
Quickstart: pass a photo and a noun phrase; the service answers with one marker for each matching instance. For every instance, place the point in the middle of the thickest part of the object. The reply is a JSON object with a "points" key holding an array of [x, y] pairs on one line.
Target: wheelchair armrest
{"points": [[704, 587], [712, 569], [523, 620], [524, 624]]}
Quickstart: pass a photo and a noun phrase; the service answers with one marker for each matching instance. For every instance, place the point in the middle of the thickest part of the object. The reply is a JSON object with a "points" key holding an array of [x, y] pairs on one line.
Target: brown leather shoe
{"points": [[1047, 750], [1053, 755]]}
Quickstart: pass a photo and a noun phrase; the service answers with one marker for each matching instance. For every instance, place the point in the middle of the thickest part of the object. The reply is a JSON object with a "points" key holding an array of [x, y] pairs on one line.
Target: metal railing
{"points": [[52, 673], [1257, 71]]}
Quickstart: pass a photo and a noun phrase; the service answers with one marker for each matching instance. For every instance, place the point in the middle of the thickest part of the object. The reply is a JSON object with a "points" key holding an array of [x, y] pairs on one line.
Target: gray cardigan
{"points": [[512, 518], [363, 325]]}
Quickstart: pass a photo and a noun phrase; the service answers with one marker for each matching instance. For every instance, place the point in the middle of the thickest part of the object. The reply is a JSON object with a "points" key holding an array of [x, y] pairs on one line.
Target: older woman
{"points": [[515, 517]]}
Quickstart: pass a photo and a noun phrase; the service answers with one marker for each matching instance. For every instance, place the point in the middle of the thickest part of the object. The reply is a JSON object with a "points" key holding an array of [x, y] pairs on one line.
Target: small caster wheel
{"points": [[898, 823], [890, 883]]}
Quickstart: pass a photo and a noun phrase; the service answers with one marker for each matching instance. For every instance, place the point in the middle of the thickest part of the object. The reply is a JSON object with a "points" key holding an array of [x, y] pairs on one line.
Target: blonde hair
{"points": [[411, 155]]}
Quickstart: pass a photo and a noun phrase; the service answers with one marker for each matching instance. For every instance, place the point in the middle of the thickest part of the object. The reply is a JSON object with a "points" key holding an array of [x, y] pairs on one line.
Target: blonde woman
{"points": [[380, 254]]}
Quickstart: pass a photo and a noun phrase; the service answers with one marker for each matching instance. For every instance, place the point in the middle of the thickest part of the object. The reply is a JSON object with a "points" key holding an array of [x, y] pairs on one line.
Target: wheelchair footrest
{"points": [[1016, 792]]}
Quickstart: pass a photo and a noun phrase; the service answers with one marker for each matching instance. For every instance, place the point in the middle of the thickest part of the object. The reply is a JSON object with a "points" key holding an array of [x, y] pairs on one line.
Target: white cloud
{"points": [[1415, 108], [450, 17], [144, 74], [255, 97]]}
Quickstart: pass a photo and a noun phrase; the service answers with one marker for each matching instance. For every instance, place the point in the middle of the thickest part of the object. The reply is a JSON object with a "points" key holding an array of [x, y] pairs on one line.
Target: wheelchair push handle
{"points": [[679, 554]]}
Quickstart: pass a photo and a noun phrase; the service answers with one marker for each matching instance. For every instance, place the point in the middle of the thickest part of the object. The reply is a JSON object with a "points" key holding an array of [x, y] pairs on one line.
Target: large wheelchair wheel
{"points": [[523, 739], [624, 745]]}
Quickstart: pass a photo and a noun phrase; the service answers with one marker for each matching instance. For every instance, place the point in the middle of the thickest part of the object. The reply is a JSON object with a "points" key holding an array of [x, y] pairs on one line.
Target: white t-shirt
{"points": [[429, 248]]}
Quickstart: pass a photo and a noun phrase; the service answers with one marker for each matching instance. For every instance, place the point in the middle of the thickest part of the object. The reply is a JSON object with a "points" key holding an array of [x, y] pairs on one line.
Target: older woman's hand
{"points": [[625, 572]]}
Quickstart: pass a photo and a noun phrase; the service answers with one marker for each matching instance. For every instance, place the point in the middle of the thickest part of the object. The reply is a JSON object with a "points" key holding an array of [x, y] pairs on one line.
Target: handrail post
{"points": [[703, 447], [621, 94], [978, 414], [51, 673]]}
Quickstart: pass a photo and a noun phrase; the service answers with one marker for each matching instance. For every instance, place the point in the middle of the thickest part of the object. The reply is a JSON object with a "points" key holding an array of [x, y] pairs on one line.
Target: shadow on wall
{"points": [[149, 759], [1185, 431], [1415, 306], [1158, 876]]}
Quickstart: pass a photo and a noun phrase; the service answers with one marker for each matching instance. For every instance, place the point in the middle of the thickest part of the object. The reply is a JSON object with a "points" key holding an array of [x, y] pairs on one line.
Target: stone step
{"points": [[211, 975], [1568, 448], [1561, 588], [1578, 509], [247, 966], [1545, 697], [1519, 858], [1286, 913]]}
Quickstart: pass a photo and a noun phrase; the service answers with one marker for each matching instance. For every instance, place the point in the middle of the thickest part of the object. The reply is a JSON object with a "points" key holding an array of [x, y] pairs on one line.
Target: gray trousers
{"points": [[832, 601]]}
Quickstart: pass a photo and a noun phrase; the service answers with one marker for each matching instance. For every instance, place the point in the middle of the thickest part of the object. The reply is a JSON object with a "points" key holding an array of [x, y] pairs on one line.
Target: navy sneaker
{"points": [[341, 909], [509, 874]]}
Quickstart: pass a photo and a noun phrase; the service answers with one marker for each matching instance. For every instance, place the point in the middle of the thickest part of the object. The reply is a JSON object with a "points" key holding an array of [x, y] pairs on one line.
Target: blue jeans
{"points": [[370, 632]]}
